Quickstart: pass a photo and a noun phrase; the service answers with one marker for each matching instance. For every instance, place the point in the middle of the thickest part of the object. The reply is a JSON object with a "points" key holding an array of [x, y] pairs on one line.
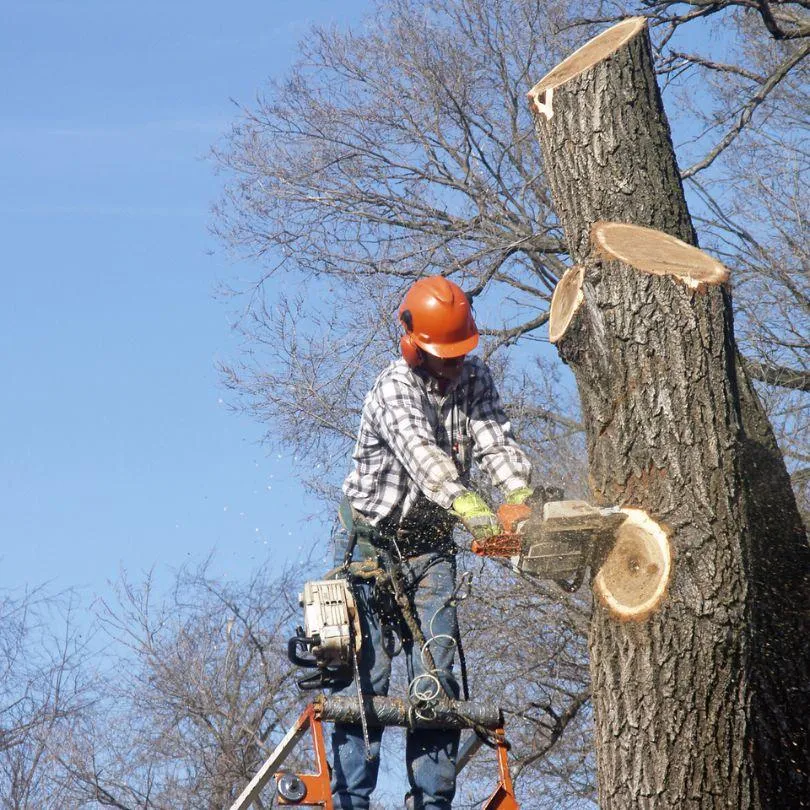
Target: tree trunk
{"points": [[702, 704]]}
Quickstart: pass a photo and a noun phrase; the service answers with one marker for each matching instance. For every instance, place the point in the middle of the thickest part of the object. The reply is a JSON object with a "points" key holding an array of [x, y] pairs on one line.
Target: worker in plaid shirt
{"points": [[428, 417]]}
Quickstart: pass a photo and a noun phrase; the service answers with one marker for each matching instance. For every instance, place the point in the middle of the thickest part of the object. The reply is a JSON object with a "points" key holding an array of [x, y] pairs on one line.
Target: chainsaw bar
{"points": [[359, 690]]}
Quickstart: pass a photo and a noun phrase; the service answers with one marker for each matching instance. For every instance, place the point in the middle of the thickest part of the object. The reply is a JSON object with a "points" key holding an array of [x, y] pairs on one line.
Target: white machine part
{"points": [[330, 621], [560, 545]]}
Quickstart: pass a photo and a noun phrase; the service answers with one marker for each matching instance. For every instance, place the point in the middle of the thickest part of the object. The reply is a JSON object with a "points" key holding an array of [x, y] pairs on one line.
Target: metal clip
{"points": [[462, 590]]}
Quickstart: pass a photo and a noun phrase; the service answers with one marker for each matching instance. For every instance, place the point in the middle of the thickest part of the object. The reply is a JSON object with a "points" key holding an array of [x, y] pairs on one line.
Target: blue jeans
{"points": [[430, 755]]}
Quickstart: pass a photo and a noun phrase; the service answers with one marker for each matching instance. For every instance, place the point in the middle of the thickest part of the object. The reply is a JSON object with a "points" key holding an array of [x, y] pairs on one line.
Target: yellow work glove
{"points": [[516, 510], [519, 495], [476, 517]]}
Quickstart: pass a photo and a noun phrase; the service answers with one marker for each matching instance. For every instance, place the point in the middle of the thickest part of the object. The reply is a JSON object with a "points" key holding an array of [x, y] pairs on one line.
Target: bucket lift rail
{"points": [[314, 789], [390, 711]]}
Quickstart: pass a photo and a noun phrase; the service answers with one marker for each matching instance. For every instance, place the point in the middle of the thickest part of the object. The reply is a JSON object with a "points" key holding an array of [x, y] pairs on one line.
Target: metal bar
{"points": [[388, 711], [272, 763], [320, 788], [504, 796], [468, 751]]}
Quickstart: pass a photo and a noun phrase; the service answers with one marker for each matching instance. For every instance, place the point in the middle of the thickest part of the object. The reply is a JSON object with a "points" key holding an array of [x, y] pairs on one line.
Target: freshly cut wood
{"points": [[606, 140], [566, 300], [542, 94], [633, 579], [628, 550], [655, 252]]}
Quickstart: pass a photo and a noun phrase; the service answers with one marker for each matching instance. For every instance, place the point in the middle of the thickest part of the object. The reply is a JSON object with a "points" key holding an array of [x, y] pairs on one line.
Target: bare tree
{"points": [[404, 148], [196, 690], [44, 692]]}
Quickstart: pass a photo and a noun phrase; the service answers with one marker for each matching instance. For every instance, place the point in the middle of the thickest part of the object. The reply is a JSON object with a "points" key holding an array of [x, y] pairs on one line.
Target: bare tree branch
{"points": [[796, 379], [748, 109]]}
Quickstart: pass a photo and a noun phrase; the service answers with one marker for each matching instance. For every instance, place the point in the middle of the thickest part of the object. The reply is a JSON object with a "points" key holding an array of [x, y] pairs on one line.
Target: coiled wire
{"points": [[425, 689]]}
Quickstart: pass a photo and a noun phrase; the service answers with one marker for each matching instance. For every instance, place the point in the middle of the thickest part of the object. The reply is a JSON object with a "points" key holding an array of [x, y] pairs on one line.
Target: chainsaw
{"points": [[628, 552], [329, 639], [626, 549]]}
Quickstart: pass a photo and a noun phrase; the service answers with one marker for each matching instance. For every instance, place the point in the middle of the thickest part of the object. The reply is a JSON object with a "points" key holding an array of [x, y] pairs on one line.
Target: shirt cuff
{"points": [[451, 490], [513, 484]]}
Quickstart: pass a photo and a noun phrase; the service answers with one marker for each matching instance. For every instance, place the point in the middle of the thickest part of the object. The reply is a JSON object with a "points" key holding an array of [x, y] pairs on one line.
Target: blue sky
{"points": [[118, 452]]}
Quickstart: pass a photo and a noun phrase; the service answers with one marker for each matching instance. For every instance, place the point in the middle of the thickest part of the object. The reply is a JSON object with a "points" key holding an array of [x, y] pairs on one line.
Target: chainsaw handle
{"points": [[293, 646], [314, 681], [512, 515]]}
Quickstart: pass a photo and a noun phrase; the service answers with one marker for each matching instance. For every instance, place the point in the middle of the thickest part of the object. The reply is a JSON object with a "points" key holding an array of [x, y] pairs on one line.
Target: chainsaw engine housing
{"points": [[330, 636], [558, 543]]}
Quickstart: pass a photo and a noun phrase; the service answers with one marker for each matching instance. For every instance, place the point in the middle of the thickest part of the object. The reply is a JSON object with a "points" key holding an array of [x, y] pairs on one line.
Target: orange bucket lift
{"points": [[313, 789]]}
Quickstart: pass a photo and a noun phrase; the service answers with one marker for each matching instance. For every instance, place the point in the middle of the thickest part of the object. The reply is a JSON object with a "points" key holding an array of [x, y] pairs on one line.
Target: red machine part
{"points": [[503, 797], [318, 791], [508, 544]]}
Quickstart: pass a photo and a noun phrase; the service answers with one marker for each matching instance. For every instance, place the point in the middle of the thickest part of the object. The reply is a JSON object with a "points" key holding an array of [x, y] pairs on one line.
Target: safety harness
{"points": [[392, 602]]}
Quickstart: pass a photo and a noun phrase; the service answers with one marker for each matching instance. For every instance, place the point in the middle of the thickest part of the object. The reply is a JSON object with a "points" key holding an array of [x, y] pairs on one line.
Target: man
{"points": [[428, 416]]}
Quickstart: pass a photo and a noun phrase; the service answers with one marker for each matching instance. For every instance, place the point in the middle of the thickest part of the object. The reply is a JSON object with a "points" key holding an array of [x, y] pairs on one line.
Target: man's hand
{"points": [[517, 496], [535, 498], [476, 517]]}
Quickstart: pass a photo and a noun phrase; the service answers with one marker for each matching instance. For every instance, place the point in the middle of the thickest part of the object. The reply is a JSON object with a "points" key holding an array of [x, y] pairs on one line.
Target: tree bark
{"points": [[588, 124], [703, 703]]}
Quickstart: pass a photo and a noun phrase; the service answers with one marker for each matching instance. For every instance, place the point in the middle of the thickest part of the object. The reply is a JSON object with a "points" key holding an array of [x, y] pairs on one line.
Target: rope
{"points": [[426, 692]]}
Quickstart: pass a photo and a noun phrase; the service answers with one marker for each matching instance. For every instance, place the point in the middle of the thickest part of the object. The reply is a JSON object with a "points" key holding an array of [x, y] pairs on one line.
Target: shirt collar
{"points": [[432, 384]]}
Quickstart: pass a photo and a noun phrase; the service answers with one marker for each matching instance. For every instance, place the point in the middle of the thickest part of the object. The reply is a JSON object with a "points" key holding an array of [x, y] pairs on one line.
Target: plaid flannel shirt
{"points": [[415, 446]]}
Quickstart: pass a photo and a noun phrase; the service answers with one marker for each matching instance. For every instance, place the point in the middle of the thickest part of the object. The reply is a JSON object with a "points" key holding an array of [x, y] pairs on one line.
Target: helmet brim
{"points": [[447, 350]]}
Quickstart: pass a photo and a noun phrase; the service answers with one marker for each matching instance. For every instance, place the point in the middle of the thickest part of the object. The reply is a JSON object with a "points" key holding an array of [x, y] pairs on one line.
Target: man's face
{"points": [[444, 369]]}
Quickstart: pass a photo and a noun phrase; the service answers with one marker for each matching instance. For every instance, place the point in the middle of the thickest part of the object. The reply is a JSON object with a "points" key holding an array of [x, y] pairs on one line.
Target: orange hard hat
{"points": [[438, 318]]}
